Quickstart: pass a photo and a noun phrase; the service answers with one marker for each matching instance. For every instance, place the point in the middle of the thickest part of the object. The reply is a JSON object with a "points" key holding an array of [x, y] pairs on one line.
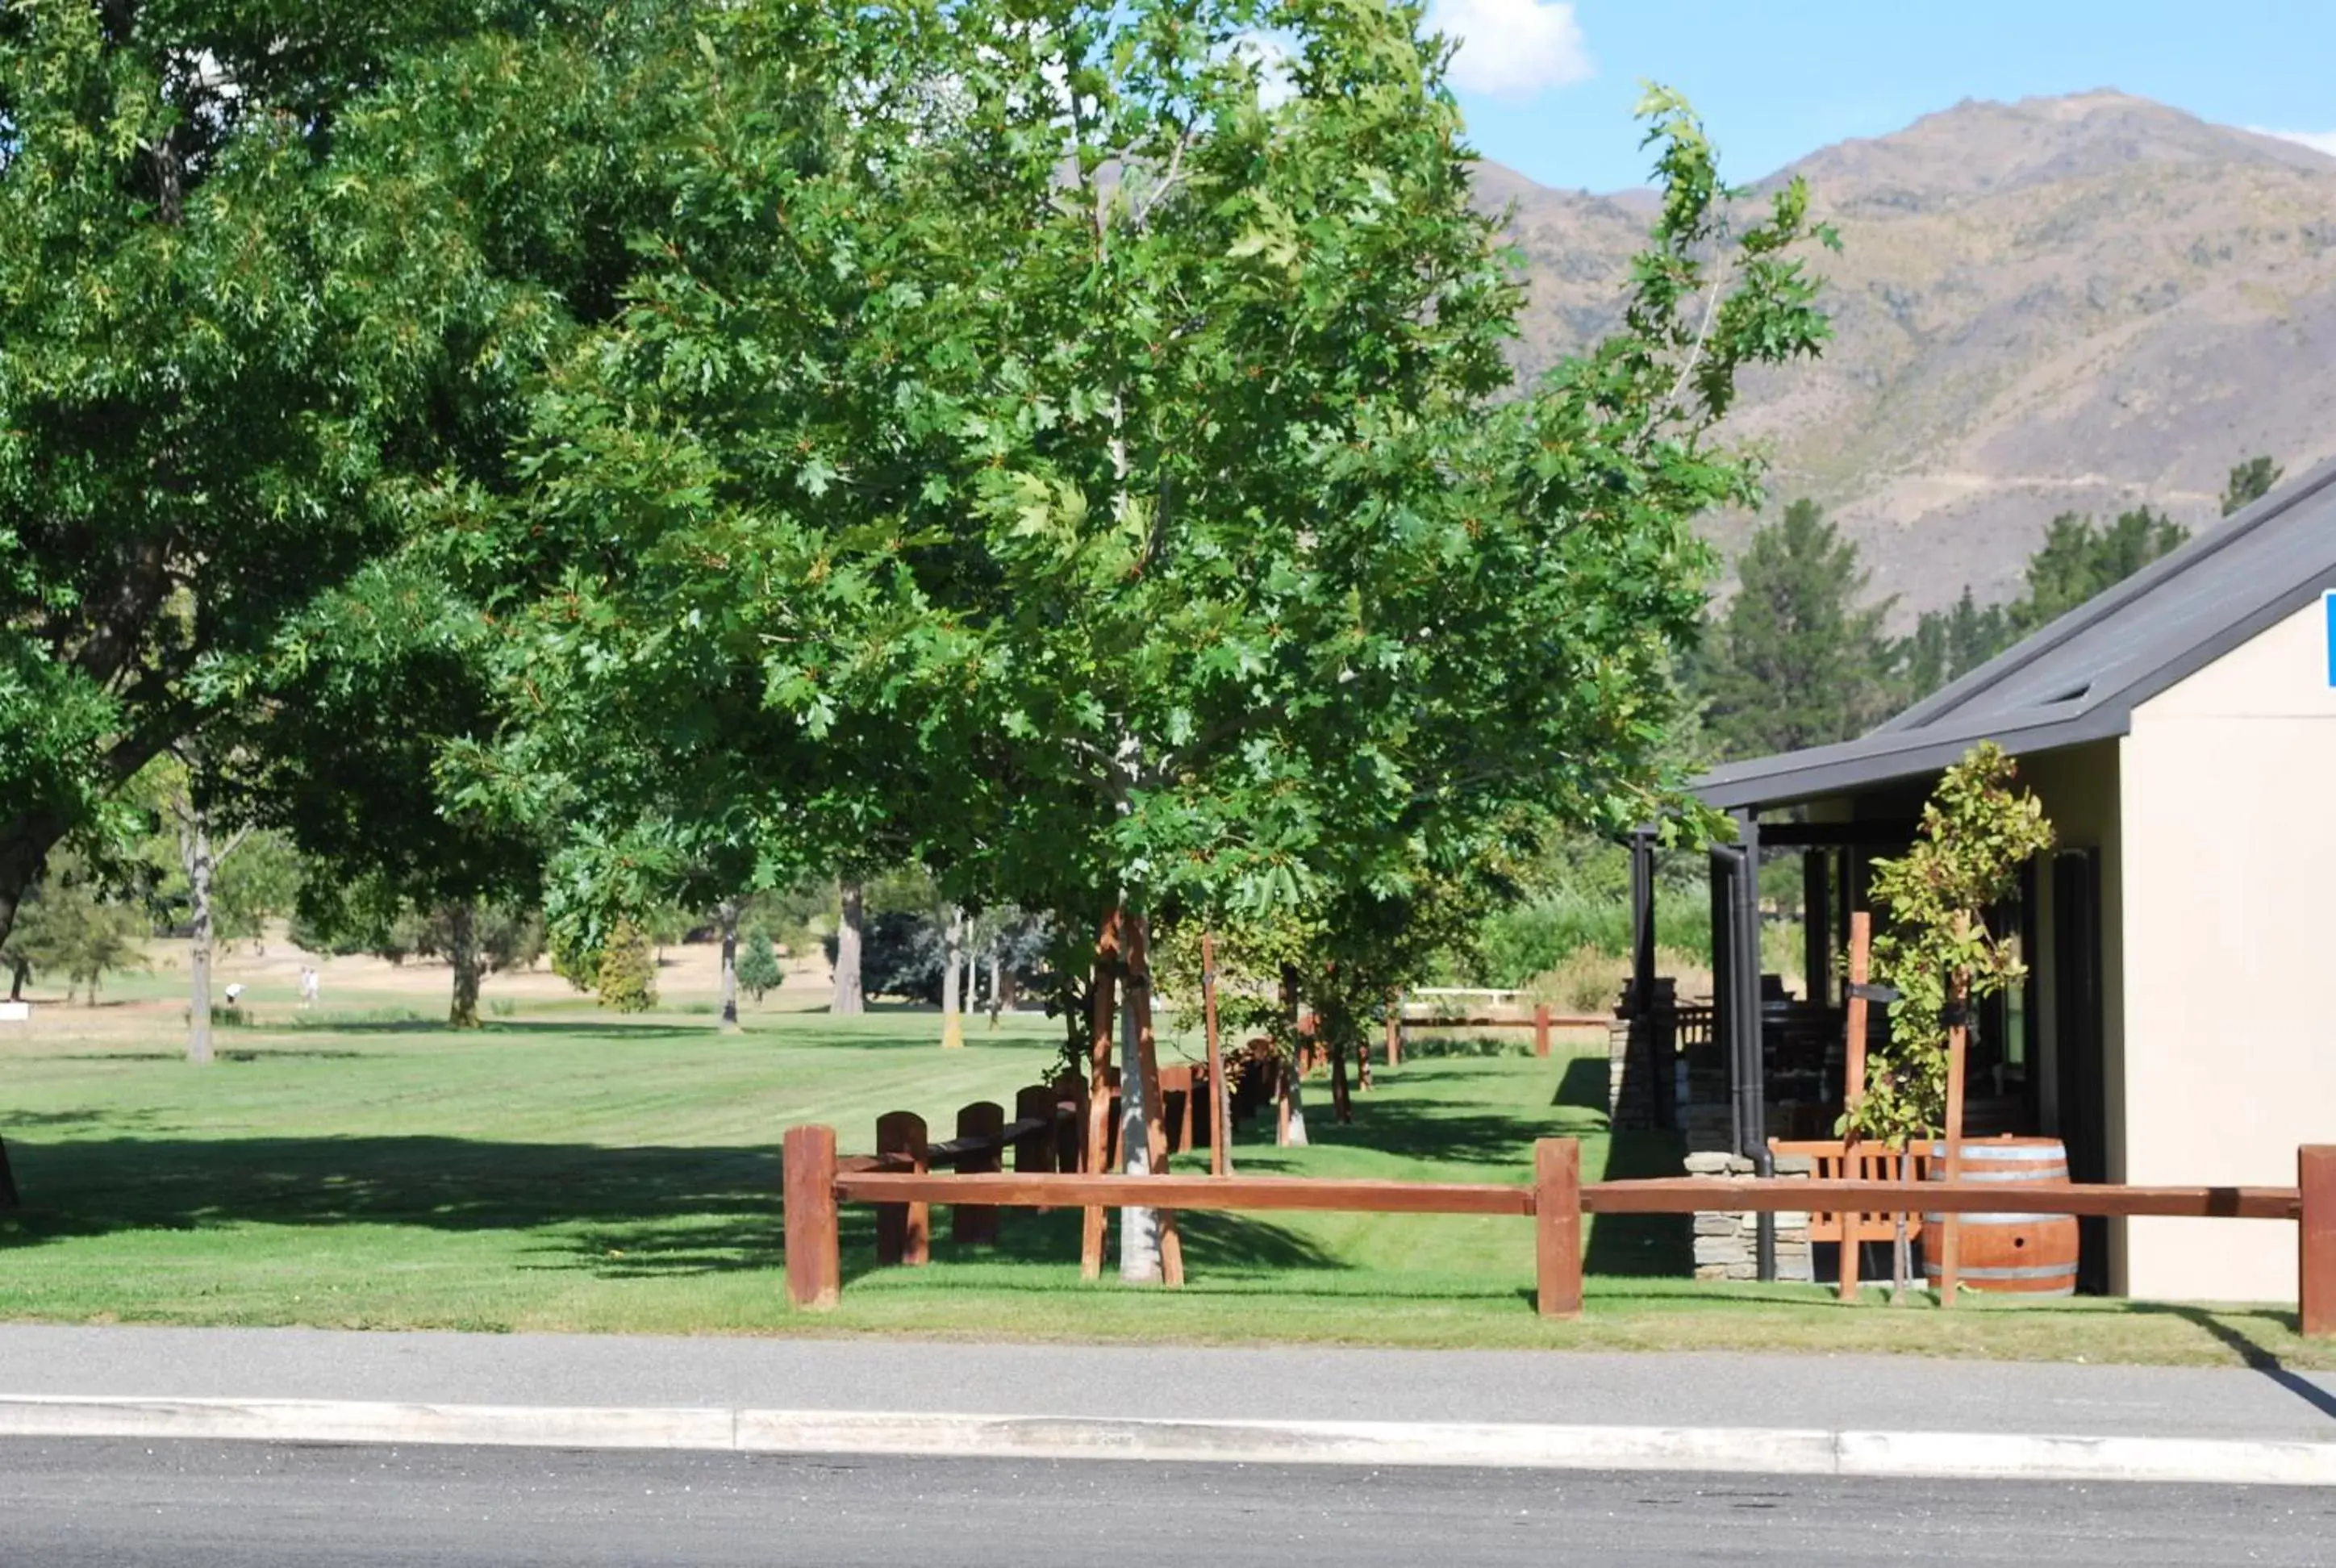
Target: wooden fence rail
{"points": [[817, 1181], [1542, 1022]]}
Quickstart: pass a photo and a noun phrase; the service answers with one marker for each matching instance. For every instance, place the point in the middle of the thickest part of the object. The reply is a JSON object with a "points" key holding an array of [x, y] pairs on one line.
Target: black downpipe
{"points": [[1754, 1116], [1661, 1063]]}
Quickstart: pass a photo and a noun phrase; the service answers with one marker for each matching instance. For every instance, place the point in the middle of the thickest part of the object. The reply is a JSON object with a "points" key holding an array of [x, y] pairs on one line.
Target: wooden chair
{"points": [[1832, 1161]]}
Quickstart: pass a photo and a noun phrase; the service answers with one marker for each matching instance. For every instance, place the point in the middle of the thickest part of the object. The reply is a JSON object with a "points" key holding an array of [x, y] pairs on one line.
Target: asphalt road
{"points": [[68, 1504]]}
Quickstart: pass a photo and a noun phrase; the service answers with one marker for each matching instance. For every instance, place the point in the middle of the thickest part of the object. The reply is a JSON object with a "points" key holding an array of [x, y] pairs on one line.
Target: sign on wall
{"points": [[2327, 603]]}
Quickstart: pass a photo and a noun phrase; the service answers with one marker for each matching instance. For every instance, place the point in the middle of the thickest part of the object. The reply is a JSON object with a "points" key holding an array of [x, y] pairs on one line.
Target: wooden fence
{"points": [[817, 1181], [1542, 1022]]}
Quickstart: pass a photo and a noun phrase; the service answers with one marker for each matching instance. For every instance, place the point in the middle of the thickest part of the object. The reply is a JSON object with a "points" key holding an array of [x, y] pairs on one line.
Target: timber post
{"points": [[1541, 1029], [976, 1223], [814, 1261], [1557, 1226], [903, 1231], [2315, 1178]]}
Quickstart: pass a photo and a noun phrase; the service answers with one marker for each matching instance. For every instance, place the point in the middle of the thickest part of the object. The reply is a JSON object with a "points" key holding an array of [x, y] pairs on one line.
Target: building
{"points": [[2177, 1027]]}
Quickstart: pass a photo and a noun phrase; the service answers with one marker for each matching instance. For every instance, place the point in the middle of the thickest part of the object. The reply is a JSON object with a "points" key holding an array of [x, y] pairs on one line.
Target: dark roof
{"points": [[2079, 678]]}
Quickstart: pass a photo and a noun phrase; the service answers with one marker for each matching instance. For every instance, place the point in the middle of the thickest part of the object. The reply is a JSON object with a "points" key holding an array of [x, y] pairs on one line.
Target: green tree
{"points": [[627, 977], [74, 928], [2249, 482], [2078, 561], [1947, 645], [272, 286], [1105, 476], [1795, 659], [758, 965]]}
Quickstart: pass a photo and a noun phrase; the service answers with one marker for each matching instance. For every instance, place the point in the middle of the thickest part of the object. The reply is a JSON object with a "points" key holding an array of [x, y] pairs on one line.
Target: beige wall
{"points": [[2079, 791], [2228, 804]]}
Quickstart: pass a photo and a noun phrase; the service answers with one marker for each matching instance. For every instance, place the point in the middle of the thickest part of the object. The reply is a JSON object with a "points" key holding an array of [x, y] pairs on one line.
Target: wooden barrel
{"points": [[2025, 1255]]}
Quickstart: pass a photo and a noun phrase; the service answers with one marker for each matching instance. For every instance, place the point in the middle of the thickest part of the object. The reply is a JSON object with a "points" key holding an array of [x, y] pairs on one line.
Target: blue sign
{"points": [[2328, 600]]}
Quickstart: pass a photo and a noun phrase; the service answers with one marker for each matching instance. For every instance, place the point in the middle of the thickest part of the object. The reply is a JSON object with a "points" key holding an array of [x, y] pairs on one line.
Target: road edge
{"points": [[1937, 1455]]}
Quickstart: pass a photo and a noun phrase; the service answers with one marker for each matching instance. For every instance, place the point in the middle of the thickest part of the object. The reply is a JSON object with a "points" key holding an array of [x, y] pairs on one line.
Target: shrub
{"points": [[1587, 980], [627, 979], [1530, 940], [758, 964]]}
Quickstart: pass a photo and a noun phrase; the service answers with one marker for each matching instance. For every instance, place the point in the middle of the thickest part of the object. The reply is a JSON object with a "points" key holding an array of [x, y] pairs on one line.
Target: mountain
{"points": [[2078, 303]]}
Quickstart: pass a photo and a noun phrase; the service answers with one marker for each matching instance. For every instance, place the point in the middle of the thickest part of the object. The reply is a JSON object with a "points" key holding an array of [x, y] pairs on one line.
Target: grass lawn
{"points": [[573, 1172]]}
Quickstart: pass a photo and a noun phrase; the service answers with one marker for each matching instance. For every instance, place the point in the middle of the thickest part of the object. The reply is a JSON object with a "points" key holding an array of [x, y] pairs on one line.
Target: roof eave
{"points": [[1795, 778]]}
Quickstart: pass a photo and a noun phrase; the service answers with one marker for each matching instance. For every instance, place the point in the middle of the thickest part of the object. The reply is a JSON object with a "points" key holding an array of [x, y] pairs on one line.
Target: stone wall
{"points": [[1726, 1242]]}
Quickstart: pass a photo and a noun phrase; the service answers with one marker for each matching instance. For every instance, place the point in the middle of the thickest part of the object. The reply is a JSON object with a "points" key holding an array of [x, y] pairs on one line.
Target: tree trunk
{"points": [[953, 979], [1095, 1155], [1139, 1229], [8, 1198], [195, 849], [463, 919], [848, 1002], [996, 986], [1290, 1132], [1342, 1099], [727, 913]]}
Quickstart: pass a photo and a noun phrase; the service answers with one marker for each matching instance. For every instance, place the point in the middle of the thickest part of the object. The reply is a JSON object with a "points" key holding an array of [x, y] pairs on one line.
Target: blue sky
{"points": [[1548, 86]]}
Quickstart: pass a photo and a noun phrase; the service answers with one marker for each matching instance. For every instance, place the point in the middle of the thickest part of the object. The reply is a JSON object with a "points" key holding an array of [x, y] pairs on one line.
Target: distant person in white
{"points": [[234, 992], [309, 982]]}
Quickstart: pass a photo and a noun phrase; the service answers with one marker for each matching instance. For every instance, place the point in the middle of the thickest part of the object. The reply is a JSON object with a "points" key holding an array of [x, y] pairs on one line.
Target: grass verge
{"points": [[591, 1174]]}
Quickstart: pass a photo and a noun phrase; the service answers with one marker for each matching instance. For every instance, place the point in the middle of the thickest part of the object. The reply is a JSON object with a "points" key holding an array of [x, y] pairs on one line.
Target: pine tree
{"points": [[2077, 560], [1949, 644], [1795, 661], [758, 965], [2249, 482]]}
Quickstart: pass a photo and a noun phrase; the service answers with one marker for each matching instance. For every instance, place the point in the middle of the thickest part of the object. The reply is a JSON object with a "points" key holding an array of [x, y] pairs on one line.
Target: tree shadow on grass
{"points": [[618, 1209], [239, 1055], [1630, 1245], [618, 1213]]}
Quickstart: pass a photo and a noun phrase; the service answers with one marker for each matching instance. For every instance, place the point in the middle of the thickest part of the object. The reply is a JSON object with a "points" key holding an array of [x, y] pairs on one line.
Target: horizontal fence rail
{"points": [[1198, 1194], [1555, 1200], [1772, 1194]]}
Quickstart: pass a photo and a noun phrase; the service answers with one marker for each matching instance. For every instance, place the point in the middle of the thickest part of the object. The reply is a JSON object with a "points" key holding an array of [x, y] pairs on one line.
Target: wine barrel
{"points": [[2025, 1255]]}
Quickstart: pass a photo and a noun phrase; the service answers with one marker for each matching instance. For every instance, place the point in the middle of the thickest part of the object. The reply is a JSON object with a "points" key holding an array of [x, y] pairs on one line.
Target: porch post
{"points": [[1724, 859], [1754, 1115], [1817, 926]]}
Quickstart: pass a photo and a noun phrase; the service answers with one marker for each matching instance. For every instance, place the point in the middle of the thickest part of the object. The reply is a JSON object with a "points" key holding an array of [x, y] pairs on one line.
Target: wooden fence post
{"points": [[1541, 1029], [1034, 1153], [2315, 1174], [1951, 1231], [1557, 1226], [1852, 1082], [977, 1222], [814, 1261], [903, 1231]]}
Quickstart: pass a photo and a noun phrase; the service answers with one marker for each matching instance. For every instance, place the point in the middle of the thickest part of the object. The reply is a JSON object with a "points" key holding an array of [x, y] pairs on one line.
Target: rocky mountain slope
{"points": [[2074, 303]]}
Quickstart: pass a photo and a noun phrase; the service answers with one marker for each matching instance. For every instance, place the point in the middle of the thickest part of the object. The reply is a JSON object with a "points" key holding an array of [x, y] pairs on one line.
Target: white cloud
{"points": [[1512, 48], [2318, 141]]}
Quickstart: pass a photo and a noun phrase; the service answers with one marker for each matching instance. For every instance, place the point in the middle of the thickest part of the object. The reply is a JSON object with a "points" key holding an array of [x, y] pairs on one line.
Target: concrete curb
{"points": [[1743, 1450]]}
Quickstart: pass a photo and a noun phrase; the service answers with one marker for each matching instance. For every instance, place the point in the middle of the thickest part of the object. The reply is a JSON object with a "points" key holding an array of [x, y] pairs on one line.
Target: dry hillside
{"points": [[2077, 302]]}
